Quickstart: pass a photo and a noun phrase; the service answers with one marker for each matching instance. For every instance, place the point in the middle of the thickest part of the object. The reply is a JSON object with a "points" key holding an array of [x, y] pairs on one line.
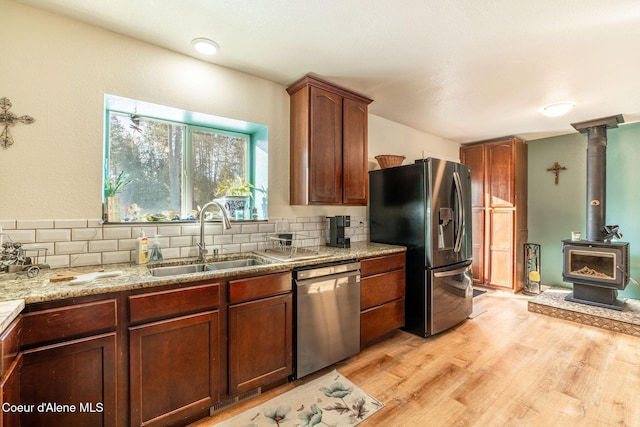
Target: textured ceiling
{"points": [[465, 70]]}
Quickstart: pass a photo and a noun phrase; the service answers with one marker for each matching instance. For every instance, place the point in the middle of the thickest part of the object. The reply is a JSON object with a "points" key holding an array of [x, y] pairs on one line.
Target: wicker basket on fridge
{"points": [[389, 160]]}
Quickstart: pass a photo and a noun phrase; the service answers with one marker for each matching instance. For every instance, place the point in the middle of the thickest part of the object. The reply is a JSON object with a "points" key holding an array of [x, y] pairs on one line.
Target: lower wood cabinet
{"points": [[10, 393], [10, 365], [174, 353], [74, 381], [260, 343], [260, 331], [68, 364], [381, 297], [173, 368]]}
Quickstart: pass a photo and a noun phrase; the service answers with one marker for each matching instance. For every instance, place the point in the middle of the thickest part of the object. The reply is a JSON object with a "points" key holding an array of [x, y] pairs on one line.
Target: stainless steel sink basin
{"points": [[233, 263], [173, 270]]}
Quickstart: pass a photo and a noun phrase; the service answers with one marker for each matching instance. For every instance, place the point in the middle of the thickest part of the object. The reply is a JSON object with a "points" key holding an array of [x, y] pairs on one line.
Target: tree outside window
{"points": [[173, 167]]}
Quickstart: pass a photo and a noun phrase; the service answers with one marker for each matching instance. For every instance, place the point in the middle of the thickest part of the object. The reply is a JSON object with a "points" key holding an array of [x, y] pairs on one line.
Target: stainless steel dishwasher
{"points": [[327, 315]]}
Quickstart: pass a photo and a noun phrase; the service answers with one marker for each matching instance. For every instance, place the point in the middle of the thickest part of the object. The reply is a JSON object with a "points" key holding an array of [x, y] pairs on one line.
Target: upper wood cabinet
{"points": [[499, 211], [329, 161]]}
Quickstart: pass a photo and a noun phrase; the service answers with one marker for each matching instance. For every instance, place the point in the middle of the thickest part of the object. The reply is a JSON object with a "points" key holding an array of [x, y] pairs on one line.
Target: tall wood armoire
{"points": [[499, 211]]}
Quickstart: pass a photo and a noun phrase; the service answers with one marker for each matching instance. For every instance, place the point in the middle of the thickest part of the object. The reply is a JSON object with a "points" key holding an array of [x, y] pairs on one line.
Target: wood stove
{"points": [[597, 267], [597, 270]]}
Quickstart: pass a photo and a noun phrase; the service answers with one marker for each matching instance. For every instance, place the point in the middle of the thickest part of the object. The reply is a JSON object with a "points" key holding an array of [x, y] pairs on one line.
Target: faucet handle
{"points": [[202, 250]]}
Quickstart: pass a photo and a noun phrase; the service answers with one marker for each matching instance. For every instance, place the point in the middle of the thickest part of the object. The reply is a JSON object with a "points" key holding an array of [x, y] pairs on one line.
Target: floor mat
{"points": [[329, 400], [477, 292]]}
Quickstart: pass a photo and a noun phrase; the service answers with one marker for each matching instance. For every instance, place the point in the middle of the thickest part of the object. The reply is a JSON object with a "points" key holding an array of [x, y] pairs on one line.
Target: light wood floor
{"points": [[506, 367]]}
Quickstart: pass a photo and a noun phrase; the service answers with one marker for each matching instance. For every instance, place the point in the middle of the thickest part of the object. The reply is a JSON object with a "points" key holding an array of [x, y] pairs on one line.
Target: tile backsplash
{"points": [[85, 242]]}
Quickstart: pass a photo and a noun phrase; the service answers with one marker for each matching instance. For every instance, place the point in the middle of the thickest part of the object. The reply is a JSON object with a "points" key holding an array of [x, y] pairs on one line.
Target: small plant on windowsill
{"points": [[237, 194], [112, 188], [236, 187]]}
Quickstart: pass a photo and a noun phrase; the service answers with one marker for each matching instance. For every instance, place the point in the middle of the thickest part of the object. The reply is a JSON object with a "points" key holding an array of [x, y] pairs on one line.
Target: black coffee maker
{"points": [[336, 232]]}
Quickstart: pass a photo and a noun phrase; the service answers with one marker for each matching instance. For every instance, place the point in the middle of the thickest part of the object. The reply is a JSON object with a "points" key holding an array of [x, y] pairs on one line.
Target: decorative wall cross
{"points": [[556, 168], [8, 119]]}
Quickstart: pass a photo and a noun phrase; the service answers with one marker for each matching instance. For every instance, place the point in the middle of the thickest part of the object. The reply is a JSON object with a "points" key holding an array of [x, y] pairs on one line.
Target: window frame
{"points": [[187, 182], [187, 159]]}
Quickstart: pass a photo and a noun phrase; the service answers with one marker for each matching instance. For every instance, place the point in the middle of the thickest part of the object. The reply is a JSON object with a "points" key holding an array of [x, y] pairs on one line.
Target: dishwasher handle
{"points": [[348, 278], [327, 270]]}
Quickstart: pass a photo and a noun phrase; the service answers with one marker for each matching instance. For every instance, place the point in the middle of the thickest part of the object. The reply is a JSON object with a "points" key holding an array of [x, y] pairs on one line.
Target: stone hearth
{"points": [[552, 302]]}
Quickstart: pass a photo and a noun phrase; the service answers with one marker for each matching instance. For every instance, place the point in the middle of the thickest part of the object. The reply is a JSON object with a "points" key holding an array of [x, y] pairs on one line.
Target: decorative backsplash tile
{"points": [[85, 242]]}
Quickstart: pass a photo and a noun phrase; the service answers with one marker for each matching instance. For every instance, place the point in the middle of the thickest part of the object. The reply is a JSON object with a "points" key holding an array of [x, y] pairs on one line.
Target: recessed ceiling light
{"points": [[205, 46], [558, 109]]}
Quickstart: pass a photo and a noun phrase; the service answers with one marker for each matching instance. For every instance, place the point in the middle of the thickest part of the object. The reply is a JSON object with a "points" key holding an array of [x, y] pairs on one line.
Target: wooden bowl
{"points": [[389, 160]]}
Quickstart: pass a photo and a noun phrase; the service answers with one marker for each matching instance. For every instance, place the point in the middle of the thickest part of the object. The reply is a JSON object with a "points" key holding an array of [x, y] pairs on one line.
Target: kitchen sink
{"points": [[233, 263], [174, 270]]}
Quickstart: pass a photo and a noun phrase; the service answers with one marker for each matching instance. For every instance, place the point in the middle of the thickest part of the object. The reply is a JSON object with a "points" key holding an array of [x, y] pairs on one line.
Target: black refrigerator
{"points": [[426, 206]]}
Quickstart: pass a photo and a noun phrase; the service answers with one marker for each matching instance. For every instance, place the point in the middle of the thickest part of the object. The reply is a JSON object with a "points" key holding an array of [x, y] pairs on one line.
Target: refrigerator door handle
{"points": [[460, 211], [452, 272]]}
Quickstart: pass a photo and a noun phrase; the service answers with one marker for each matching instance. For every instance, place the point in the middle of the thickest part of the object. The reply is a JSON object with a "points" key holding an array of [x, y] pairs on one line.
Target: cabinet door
{"points": [[174, 368], [500, 174], [260, 342], [325, 147], [478, 245], [79, 374], [473, 157], [355, 153], [501, 251], [10, 393]]}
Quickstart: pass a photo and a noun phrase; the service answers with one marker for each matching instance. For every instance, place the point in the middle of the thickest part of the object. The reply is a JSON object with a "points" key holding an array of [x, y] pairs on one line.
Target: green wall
{"points": [[556, 210]]}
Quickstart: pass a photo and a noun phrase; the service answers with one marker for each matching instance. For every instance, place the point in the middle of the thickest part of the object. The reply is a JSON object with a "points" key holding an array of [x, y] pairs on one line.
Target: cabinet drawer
{"points": [[158, 305], [10, 343], [73, 321], [381, 288], [378, 321], [259, 287], [381, 264]]}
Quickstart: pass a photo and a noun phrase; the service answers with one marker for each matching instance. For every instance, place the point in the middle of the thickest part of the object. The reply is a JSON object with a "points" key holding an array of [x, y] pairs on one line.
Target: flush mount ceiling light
{"points": [[205, 46], [558, 109]]}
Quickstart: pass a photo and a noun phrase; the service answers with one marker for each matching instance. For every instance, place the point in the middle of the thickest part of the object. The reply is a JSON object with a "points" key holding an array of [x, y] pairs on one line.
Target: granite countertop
{"points": [[9, 310], [18, 290]]}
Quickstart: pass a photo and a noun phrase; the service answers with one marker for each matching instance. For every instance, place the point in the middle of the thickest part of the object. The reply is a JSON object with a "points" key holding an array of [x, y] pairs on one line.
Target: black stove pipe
{"points": [[596, 182], [597, 173]]}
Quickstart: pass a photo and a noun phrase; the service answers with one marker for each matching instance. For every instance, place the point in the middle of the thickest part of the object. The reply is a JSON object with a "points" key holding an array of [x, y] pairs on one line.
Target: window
{"points": [[167, 169]]}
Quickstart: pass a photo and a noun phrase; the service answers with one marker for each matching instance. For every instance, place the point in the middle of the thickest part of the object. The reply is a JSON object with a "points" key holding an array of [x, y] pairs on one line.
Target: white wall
{"points": [[58, 70], [387, 137]]}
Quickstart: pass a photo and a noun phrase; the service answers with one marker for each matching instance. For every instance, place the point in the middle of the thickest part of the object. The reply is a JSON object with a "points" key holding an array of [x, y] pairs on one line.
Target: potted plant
{"points": [[237, 194], [112, 187]]}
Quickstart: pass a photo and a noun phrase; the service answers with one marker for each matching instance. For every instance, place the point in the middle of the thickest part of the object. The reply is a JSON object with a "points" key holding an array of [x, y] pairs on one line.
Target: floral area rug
{"points": [[331, 400]]}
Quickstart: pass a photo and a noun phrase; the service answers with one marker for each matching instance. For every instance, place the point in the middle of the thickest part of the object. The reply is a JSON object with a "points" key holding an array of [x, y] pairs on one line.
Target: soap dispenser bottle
{"points": [[155, 254], [142, 249]]}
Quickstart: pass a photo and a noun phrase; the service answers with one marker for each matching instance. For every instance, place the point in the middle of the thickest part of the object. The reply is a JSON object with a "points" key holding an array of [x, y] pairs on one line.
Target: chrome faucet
{"points": [[202, 250]]}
